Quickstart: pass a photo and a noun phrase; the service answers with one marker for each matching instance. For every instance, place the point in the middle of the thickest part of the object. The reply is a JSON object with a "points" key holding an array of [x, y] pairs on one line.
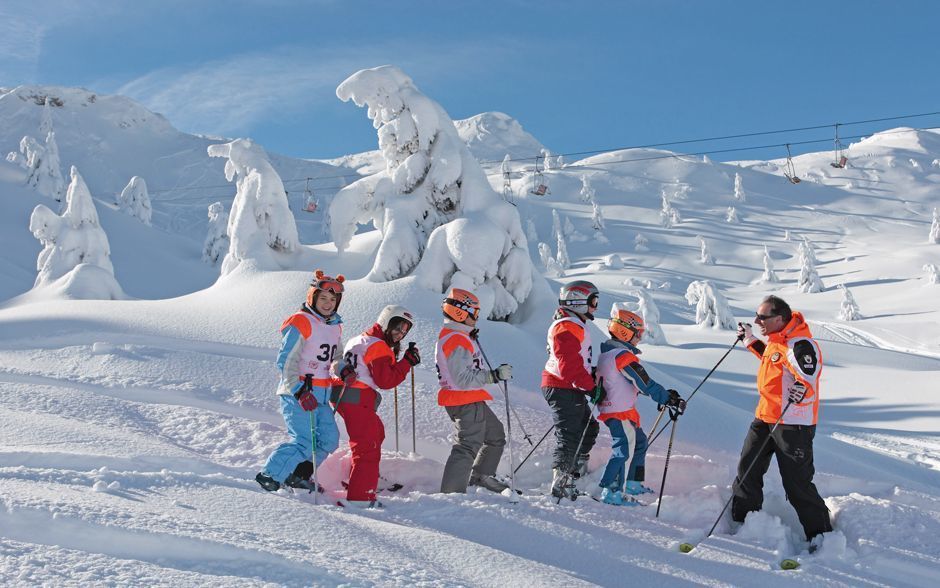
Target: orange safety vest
{"points": [[449, 395]]}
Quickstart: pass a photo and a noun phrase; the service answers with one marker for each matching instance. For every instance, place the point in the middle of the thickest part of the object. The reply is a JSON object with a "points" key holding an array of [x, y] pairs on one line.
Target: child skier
{"points": [[479, 434], [373, 355], [567, 383], [310, 338], [620, 379]]}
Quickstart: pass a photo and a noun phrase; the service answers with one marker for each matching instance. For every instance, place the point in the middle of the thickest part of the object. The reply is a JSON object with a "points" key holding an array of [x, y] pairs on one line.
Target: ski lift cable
{"points": [[725, 137], [595, 151], [672, 155]]}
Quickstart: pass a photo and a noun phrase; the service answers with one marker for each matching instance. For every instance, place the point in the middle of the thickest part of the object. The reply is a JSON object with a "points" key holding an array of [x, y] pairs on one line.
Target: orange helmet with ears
{"points": [[624, 325], [461, 304], [321, 281]]}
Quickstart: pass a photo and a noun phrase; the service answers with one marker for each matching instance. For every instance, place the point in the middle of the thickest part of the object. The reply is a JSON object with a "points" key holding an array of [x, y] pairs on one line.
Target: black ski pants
{"points": [[572, 413], [793, 446]]}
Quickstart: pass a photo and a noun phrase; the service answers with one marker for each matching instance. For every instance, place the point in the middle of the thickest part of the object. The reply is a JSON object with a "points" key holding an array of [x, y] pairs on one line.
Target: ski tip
{"points": [[789, 564], [686, 547]]}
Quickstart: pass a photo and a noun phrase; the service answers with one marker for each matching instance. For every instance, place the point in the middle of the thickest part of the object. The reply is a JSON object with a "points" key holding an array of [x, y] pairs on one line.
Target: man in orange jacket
{"points": [[788, 382]]}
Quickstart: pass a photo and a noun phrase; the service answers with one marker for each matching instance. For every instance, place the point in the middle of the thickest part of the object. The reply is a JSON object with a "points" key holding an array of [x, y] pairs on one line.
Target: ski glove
{"points": [[797, 392], [348, 374], [307, 400], [502, 373], [744, 332], [411, 355], [598, 394], [675, 401]]}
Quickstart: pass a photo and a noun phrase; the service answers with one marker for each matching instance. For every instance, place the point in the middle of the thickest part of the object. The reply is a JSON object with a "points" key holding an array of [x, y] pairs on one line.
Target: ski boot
{"points": [[360, 503], [267, 482], [295, 481], [614, 497], [490, 483], [563, 485], [635, 488]]}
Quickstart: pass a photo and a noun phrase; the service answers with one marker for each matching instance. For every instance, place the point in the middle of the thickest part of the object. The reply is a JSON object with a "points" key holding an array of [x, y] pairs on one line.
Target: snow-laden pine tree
{"points": [[669, 216], [848, 310], [549, 160], [42, 167], [217, 242], [739, 194], [55, 183], [705, 256], [531, 234], [732, 215], [135, 200], [436, 210], [786, 235], [932, 273], [809, 280], [769, 276], [934, 236], [563, 260], [646, 307], [641, 243], [597, 221], [75, 258], [806, 249], [711, 307], [551, 265], [45, 118], [587, 191], [261, 226]]}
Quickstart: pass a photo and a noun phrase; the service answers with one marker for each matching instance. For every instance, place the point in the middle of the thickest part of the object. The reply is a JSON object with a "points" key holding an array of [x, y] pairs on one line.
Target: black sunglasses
{"points": [[764, 317]]}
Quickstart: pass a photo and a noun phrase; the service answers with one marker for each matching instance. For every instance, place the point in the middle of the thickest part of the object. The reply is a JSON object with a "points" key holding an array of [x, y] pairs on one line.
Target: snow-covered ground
{"points": [[132, 429]]}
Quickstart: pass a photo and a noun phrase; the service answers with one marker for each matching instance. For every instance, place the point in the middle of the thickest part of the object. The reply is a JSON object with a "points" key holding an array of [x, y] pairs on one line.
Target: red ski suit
{"points": [[375, 364]]}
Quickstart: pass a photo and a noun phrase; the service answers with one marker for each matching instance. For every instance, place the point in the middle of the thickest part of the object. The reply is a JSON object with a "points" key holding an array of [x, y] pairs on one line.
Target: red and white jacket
{"points": [[569, 354], [374, 361], [460, 370]]}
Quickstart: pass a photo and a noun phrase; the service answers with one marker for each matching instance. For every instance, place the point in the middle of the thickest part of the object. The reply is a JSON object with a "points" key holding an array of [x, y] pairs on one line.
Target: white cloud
{"points": [[226, 97]]}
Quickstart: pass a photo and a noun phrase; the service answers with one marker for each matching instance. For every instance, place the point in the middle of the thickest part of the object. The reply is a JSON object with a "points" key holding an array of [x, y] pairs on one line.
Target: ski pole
{"points": [[489, 366], [653, 438], [414, 434], [519, 467], [737, 479], [512, 464], [574, 462], [674, 417], [339, 398], [396, 419], [308, 384]]}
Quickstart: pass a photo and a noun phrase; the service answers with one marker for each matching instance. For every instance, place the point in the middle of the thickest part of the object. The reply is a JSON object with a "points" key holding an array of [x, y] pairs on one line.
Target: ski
{"points": [[788, 563], [394, 487]]}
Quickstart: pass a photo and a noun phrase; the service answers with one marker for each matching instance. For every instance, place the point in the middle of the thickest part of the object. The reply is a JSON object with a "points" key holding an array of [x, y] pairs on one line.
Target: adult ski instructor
{"points": [[788, 382]]}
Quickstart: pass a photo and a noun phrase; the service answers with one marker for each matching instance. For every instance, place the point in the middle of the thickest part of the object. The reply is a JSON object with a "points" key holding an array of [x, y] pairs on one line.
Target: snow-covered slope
{"points": [[132, 428]]}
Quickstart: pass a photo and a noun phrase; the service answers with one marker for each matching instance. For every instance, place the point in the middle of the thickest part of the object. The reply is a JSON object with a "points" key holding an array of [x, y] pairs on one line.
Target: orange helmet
{"points": [[461, 304], [321, 281], [624, 325]]}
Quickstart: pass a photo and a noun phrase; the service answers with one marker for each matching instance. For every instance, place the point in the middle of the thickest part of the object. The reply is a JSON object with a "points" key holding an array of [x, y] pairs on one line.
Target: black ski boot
{"points": [[295, 481], [267, 482], [490, 483]]}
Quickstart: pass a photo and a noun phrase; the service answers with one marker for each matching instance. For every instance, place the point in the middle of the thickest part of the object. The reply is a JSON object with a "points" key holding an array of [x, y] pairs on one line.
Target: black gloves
{"points": [[411, 354]]}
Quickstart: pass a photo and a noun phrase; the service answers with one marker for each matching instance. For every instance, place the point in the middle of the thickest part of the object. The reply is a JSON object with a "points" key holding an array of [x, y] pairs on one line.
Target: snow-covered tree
{"points": [[563, 260], [437, 212], [135, 201], [646, 307], [587, 191], [932, 273], [549, 160], [42, 166], [217, 241], [732, 215], [848, 310], [668, 215], [769, 276], [706, 256], [935, 228], [806, 250], [786, 235], [739, 194], [560, 162], [76, 254], [530, 233], [45, 119], [261, 225], [551, 265], [711, 307], [54, 183], [809, 280], [641, 243]]}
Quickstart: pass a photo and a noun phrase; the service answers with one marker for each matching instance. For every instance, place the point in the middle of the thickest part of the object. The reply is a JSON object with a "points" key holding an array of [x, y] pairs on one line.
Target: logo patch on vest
{"points": [[775, 357]]}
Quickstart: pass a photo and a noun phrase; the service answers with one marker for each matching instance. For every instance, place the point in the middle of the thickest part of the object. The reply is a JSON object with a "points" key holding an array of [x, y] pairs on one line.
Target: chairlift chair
{"points": [[790, 170], [840, 159], [310, 201], [539, 187]]}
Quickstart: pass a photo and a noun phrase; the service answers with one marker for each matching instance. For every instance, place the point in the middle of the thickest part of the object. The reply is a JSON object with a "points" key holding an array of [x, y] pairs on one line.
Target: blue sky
{"points": [[577, 75]]}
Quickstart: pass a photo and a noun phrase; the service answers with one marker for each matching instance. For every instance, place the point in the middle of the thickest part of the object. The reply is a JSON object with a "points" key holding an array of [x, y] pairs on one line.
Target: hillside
{"points": [[133, 428]]}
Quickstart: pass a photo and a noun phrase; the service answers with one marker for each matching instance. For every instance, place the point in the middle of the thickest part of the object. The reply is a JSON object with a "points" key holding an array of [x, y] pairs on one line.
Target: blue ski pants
{"points": [[285, 458], [628, 442]]}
